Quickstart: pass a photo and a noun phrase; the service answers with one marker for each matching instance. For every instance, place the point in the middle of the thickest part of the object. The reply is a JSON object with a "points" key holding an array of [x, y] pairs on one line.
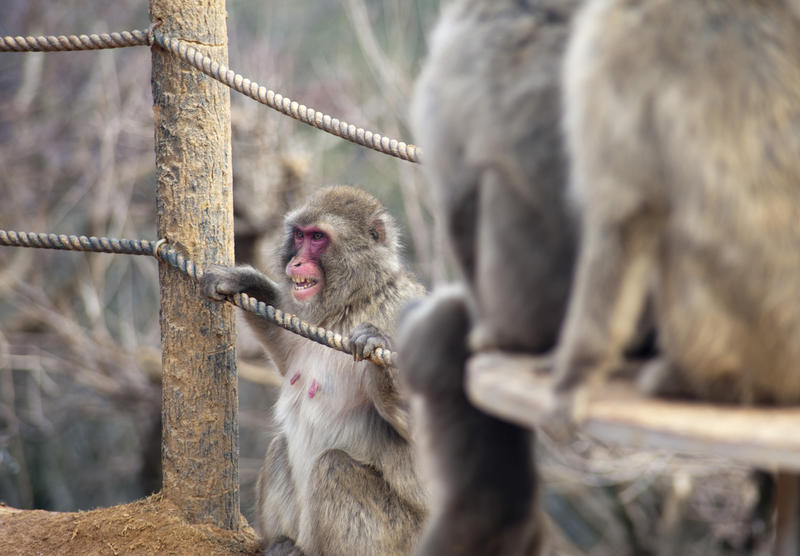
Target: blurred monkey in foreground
{"points": [[339, 477], [486, 112], [683, 129]]}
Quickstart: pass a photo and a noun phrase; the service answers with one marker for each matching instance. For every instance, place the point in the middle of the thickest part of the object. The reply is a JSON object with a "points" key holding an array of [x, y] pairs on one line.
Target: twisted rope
{"points": [[221, 73], [161, 251], [52, 43], [285, 105]]}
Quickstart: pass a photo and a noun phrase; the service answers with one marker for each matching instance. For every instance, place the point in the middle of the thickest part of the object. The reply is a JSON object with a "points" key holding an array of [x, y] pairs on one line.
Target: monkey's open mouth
{"points": [[303, 283], [304, 287]]}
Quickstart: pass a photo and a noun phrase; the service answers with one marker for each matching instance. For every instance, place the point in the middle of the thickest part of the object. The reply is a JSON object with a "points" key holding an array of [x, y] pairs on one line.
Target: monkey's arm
{"points": [[220, 282], [381, 382]]}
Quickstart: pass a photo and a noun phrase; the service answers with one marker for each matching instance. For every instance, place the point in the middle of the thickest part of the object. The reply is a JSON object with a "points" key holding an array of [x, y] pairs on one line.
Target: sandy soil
{"points": [[149, 526]]}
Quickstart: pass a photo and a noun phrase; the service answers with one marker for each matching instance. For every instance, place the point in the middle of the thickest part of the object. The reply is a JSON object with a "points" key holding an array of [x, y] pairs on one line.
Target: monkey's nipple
{"points": [[314, 388], [294, 378]]}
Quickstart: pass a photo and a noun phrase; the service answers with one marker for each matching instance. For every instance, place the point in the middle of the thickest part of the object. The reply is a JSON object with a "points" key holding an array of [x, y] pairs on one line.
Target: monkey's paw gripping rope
{"points": [[381, 357], [161, 251], [221, 73]]}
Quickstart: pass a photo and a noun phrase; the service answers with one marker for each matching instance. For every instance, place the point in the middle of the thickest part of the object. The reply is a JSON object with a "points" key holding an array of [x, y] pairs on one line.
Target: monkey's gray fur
{"points": [[486, 112], [683, 128], [339, 477], [481, 469]]}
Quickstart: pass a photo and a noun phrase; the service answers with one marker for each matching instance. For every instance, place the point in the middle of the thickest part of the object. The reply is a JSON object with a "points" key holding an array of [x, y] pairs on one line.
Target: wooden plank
{"points": [[504, 385]]}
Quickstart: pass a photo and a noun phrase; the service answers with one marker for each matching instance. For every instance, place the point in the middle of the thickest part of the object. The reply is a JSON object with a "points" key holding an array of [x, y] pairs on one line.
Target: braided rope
{"points": [[52, 43], [285, 105], [159, 250], [221, 73]]}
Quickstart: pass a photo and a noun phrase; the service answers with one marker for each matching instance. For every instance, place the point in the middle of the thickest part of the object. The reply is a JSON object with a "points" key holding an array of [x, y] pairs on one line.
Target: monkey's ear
{"points": [[377, 230]]}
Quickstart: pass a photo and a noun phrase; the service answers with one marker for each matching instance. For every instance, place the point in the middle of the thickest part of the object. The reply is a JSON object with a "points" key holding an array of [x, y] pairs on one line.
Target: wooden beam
{"points": [[505, 386]]}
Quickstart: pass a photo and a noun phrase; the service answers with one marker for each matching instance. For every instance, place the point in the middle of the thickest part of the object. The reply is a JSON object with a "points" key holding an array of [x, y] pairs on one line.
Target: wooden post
{"points": [[200, 431]]}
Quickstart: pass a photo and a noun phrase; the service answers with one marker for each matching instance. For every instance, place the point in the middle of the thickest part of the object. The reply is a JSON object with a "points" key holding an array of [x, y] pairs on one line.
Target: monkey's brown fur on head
{"points": [[683, 127], [339, 477], [486, 112]]}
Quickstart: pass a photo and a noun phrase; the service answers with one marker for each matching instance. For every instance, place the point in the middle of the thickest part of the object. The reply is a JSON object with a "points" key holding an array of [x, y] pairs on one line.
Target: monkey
{"points": [[486, 114], [682, 126], [480, 469], [339, 477]]}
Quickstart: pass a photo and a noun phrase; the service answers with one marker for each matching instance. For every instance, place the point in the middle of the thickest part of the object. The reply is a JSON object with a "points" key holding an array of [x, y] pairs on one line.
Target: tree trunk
{"points": [[200, 431]]}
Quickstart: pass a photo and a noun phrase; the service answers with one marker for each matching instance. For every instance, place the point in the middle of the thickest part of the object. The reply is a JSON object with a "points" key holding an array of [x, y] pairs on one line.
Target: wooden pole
{"points": [[200, 432]]}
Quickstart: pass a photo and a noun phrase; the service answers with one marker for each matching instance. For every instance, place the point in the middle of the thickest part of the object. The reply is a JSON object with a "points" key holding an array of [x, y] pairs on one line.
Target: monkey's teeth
{"points": [[303, 283]]}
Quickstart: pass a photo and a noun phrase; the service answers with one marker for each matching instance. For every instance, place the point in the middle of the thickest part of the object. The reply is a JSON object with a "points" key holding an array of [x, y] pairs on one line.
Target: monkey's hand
{"points": [[220, 282], [365, 339]]}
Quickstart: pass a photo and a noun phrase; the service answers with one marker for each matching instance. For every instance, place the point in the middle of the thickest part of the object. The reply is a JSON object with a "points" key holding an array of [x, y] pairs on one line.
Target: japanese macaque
{"points": [[480, 469], [339, 476], [683, 130], [486, 112]]}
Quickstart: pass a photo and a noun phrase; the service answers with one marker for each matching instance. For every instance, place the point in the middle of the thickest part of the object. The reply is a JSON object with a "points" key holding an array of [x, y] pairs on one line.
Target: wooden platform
{"points": [[769, 438]]}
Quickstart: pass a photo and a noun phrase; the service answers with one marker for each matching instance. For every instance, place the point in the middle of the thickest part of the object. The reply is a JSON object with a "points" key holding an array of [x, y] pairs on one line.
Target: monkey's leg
{"points": [[277, 513], [526, 252], [610, 288], [460, 210], [483, 468], [354, 511]]}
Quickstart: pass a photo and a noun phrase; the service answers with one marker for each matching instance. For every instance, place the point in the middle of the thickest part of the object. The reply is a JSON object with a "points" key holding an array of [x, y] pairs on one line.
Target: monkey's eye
{"points": [[298, 234], [316, 236]]}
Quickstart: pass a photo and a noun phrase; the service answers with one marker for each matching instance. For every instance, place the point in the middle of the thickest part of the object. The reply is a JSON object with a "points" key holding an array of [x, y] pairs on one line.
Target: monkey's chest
{"points": [[321, 409], [321, 381], [321, 399]]}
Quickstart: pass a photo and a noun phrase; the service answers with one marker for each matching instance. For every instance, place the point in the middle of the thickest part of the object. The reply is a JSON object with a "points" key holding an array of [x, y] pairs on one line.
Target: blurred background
{"points": [[79, 337]]}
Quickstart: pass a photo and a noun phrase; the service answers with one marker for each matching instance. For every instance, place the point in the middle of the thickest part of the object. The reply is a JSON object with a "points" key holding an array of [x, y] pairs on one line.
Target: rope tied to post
{"points": [[249, 88], [161, 251], [223, 74], [283, 104]]}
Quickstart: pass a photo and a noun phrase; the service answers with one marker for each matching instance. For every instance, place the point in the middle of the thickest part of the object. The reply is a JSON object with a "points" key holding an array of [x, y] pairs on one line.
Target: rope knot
{"points": [[151, 35]]}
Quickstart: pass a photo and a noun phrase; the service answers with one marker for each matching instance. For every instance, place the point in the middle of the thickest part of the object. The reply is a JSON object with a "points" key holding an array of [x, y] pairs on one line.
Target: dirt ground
{"points": [[149, 526]]}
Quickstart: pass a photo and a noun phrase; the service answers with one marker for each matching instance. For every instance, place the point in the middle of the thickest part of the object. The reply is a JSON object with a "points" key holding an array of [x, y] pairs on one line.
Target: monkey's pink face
{"points": [[304, 270]]}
